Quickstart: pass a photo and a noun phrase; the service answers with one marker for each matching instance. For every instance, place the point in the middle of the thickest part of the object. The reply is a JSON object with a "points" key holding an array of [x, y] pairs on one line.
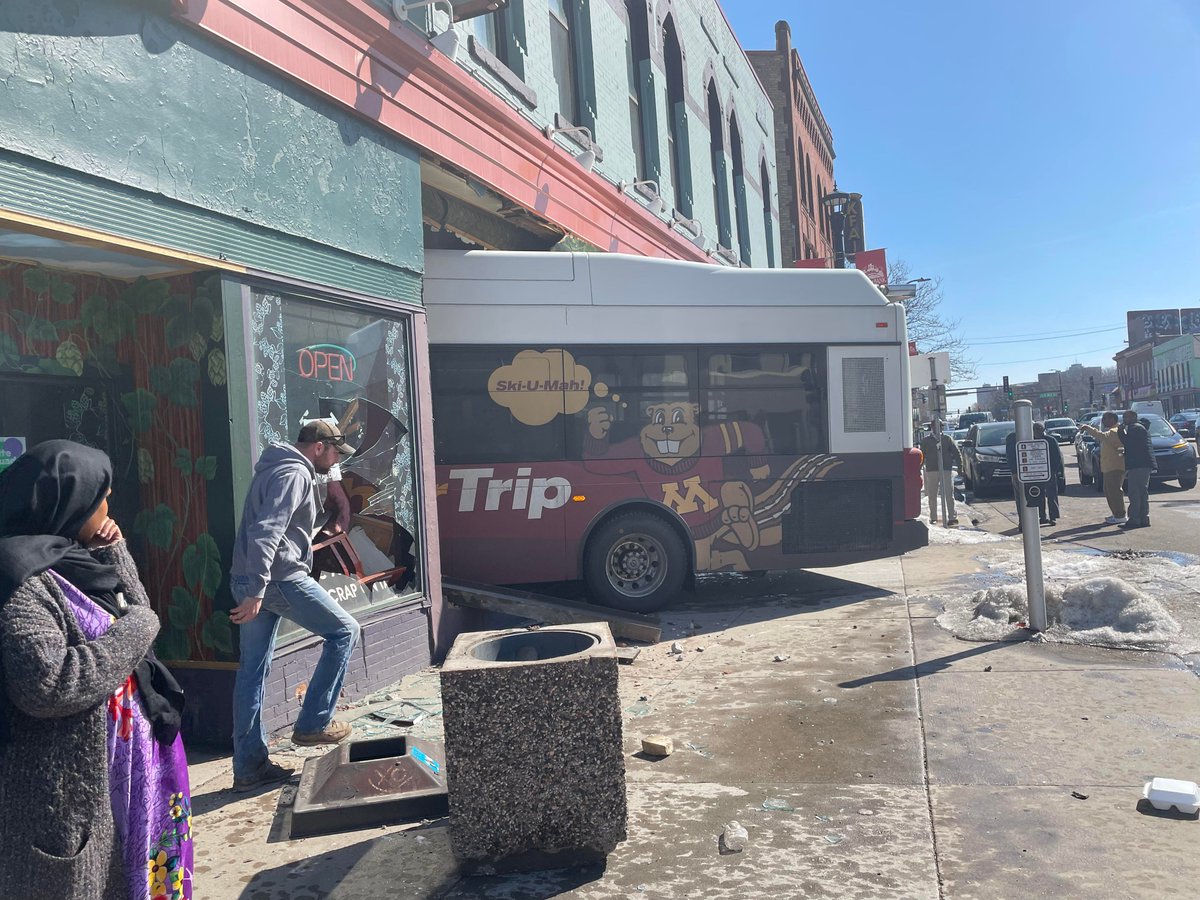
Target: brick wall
{"points": [[394, 644], [800, 133]]}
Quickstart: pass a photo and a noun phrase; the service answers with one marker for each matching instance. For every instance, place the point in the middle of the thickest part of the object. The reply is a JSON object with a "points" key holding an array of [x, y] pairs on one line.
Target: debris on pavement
{"points": [[1079, 796], [733, 839], [779, 657], [657, 745], [834, 839], [777, 804], [1163, 793], [676, 648], [402, 714]]}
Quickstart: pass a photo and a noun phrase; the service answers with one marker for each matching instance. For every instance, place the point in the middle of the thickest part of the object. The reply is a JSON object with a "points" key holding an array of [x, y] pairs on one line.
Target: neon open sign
{"points": [[327, 362]]}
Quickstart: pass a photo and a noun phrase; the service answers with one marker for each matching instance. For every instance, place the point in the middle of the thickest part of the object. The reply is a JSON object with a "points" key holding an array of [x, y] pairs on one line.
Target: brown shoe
{"points": [[333, 733]]}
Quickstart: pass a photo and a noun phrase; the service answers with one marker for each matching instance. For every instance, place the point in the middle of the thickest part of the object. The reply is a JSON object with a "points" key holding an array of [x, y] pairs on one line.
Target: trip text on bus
{"points": [[535, 495]]}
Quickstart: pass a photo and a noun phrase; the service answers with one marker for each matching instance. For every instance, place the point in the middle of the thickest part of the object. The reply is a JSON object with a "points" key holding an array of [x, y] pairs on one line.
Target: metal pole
{"points": [[937, 434], [1031, 537]]}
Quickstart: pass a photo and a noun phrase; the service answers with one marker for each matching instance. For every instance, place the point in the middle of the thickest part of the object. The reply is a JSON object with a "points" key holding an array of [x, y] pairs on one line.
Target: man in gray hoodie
{"points": [[270, 579]]}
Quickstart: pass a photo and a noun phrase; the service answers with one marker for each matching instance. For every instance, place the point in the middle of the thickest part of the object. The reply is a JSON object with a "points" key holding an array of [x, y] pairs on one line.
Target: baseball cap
{"points": [[321, 430]]}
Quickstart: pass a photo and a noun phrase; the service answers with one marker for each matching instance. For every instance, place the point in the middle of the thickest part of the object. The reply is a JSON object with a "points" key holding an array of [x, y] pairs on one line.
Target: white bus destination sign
{"points": [[1033, 461]]}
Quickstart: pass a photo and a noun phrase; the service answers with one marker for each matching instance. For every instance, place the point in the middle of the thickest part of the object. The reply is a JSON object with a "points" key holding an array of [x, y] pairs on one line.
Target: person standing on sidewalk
{"points": [[270, 579], [1050, 495], [1139, 464], [1112, 465], [951, 459]]}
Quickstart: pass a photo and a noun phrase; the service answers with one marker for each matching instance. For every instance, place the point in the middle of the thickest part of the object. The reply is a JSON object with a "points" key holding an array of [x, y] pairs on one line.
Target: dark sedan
{"points": [[1184, 422], [1174, 456], [985, 467]]}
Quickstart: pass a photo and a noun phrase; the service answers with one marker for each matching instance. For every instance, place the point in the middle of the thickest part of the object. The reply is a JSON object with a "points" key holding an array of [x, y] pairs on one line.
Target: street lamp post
{"points": [[835, 205]]}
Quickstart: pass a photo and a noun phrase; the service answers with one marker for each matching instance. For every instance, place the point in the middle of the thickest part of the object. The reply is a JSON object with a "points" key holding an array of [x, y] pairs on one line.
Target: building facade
{"points": [[672, 109], [803, 150], [195, 258], [1177, 373], [1068, 391]]}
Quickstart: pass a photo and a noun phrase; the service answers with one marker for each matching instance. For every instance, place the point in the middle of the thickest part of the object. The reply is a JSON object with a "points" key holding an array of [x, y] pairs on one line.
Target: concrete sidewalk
{"points": [[882, 758]]}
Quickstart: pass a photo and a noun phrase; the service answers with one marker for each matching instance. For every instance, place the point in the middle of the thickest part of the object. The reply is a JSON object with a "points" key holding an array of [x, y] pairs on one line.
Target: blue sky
{"points": [[1042, 158]]}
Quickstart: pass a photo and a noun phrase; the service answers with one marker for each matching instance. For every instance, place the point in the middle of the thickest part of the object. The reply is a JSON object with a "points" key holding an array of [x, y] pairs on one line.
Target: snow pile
{"points": [[1103, 611]]}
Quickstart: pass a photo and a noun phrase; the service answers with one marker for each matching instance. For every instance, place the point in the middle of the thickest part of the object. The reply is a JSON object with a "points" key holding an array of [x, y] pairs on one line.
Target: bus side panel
{"points": [[786, 512], [504, 523]]}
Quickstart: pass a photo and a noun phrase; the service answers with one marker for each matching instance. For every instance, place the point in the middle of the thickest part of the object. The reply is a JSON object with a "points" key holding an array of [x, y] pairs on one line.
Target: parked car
{"points": [[985, 466], [1084, 445], [1174, 456], [1062, 430], [1184, 422]]}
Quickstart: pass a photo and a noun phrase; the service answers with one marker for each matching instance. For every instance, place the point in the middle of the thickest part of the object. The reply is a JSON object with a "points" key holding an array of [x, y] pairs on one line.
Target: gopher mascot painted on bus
{"points": [[727, 498]]}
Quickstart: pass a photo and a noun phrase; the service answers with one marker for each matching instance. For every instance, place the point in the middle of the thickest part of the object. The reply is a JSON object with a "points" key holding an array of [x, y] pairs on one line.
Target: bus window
{"points": [[497, 406], [628, 390], [782, 391]]}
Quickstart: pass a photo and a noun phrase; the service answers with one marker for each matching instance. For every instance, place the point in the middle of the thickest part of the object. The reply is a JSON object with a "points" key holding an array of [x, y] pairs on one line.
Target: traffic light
{"points": [[1066, 406], [1007, 389]]}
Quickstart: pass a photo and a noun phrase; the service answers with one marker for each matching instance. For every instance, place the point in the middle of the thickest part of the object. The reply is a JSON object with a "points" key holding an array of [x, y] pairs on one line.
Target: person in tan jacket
{"points": [[1112, 464]]}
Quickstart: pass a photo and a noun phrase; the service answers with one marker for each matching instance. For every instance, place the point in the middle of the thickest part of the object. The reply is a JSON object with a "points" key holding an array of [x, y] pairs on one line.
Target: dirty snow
{"points": [[1131, 601], [960, 534], [1105, 612]]}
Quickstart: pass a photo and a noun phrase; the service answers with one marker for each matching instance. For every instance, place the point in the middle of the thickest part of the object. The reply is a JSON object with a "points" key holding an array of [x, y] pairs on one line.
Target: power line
{"points": [[1051, 337], [1073, 353], [1037, 333]]}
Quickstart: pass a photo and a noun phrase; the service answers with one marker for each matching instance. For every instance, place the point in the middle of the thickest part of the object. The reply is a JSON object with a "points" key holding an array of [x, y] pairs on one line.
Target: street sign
{"points": [[1033, 461]]}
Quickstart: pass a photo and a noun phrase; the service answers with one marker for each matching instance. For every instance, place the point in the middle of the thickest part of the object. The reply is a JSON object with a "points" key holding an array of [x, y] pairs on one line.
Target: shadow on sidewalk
{"points": [[415, 864], [930, 667], [760, 596]]}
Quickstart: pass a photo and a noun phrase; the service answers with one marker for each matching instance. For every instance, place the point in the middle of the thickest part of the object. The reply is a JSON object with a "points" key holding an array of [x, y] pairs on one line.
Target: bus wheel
{"points": [[636, 562]]}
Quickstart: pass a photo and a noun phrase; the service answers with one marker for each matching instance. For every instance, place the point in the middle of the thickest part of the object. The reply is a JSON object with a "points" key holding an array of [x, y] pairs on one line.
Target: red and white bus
{"points": [[633, 421]]}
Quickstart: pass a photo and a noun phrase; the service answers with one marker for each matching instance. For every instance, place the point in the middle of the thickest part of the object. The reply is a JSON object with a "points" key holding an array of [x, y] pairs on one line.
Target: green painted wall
{"points": [[115, 90]]}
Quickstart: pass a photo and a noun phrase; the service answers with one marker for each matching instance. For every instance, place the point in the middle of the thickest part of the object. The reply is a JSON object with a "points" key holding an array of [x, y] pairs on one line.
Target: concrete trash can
{"points": [[534, 764]]}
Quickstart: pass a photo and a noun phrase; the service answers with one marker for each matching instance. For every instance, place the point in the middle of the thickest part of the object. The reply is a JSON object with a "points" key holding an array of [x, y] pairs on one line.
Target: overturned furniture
{"points": [[535, 768], [377, 782]]}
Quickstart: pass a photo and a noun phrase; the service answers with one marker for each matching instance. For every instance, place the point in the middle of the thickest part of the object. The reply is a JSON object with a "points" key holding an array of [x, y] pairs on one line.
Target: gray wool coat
{"points": [[56, 825]]}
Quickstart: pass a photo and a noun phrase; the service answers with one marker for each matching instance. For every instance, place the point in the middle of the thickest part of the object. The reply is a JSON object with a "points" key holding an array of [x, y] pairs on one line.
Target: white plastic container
{"points": [[1163, 793]]}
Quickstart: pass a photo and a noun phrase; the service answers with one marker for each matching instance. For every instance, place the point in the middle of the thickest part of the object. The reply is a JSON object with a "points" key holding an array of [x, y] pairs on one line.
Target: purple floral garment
{"points": [[148, 784]]}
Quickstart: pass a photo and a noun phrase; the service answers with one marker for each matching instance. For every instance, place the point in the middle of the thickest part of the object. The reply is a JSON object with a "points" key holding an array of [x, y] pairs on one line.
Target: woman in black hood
{"points": [[94, 800]]}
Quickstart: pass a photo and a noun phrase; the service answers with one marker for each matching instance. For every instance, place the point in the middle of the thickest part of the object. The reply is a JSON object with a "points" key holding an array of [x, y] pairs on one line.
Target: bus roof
{"points": [[480, 297]]}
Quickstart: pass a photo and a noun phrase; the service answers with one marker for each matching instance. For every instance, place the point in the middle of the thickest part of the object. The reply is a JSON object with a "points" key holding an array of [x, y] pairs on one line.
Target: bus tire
{"points": [[636, 562]]}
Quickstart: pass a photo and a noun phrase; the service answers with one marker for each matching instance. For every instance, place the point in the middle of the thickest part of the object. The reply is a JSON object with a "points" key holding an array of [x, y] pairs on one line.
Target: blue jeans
{"points": [[308, 605]]}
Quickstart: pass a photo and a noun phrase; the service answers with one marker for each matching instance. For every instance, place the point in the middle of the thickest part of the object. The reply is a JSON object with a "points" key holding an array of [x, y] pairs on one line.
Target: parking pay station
{"points": [[1033, 474]]}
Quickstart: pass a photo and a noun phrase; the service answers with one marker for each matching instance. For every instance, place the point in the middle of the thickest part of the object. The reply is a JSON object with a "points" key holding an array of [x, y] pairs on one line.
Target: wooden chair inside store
{"points": [[377, 532], [349, 563]]}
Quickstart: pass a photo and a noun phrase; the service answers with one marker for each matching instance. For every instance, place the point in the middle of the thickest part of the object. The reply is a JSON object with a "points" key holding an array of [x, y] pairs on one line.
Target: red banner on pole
{"points": [[819, 263], [873, 264]]}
